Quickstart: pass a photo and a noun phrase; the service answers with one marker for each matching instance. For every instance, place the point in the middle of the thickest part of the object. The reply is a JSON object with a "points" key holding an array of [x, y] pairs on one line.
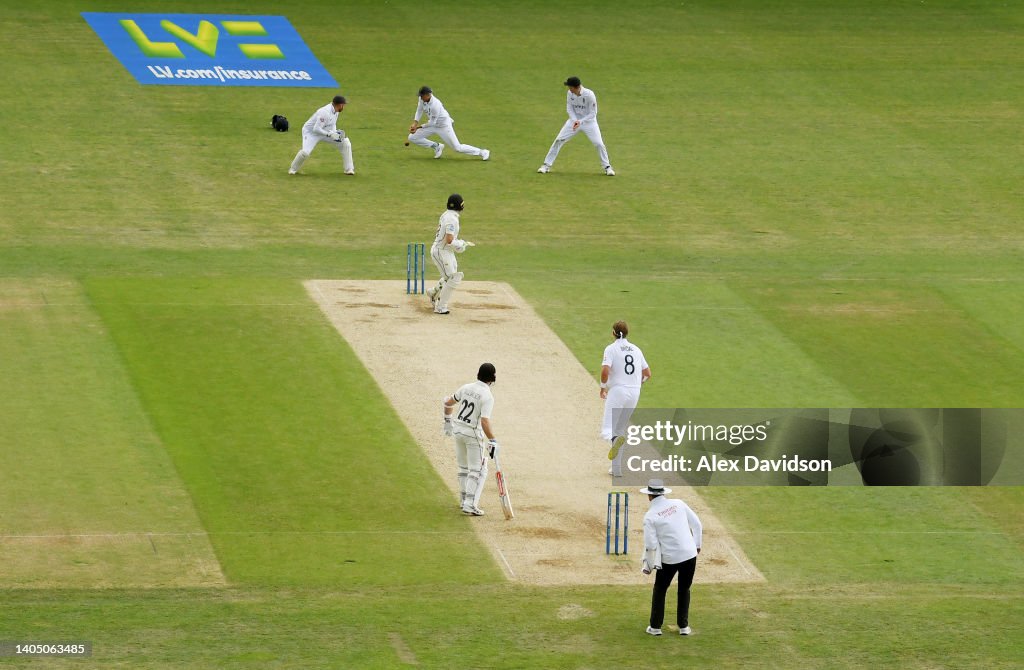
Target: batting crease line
{"points": [[818, 309], [874, 532], [157, 304], [728, 545], [700, 308], [323, 298], [505, 561], [200, 533]]}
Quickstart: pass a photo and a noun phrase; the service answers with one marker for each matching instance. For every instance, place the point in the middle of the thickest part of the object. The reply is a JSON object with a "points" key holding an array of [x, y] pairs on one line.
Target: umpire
{"points": [[672, 539]]}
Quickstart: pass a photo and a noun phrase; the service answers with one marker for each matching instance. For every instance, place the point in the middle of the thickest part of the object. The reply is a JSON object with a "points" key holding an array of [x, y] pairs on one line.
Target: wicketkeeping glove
{"points": [[492, 448], [336, 135]]}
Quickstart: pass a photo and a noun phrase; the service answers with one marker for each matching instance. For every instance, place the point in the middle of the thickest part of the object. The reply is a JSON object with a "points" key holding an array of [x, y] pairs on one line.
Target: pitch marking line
{"points": [[728, 545], [150, 535], [405, 654], [505, 561]]}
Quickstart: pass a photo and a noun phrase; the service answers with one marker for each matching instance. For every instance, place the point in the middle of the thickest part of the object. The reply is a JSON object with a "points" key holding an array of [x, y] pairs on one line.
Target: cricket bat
{"points": [[506, 502]]}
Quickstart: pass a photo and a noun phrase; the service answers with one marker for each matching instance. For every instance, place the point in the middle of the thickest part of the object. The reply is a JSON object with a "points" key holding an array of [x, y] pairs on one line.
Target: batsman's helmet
{"points": [[455, 202], [279, 123], [486, 374], [425, 89]]}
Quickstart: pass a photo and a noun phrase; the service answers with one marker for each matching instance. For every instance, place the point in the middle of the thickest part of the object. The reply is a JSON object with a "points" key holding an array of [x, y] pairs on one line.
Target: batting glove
{"points": [[448, 426], [492, 448], [459, 246]]}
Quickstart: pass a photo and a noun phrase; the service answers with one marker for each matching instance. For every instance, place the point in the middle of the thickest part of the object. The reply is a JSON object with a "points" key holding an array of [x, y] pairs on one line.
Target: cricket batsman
{"points": [[467, 418], [442, 251]]}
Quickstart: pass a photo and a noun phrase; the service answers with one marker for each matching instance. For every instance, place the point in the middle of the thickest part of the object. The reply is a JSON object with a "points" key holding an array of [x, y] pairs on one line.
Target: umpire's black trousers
{"points": [[662, 580]]}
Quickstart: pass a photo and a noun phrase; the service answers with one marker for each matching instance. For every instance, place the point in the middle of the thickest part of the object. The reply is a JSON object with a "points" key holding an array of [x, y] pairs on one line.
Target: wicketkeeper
{"points": [[467, 418], [323, 127]]}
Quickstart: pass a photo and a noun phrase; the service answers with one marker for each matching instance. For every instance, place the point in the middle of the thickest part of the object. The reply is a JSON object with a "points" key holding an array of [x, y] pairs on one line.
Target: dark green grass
{"points": [[816, 205], [79, 457], [301, 473]]}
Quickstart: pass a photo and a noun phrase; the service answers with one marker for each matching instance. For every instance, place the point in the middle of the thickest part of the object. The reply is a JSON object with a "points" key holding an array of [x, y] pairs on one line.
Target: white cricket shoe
{"points": [[438, 149], [653, 631], [472, 511], [350, 171], [485, 154], [292, 172], [439, 311], [544, 169], [609, 171], [685, 631]]}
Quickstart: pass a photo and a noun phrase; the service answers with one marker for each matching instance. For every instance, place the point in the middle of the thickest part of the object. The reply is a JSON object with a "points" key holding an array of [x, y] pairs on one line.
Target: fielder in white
{"points": [[467, 418], [323, 127], [623, 370], [438, 123], [581, 106], [442, 251]]}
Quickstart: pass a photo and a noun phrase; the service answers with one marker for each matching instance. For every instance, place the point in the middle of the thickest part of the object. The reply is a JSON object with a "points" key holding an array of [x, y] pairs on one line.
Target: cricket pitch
{"points": [[547, 417]]}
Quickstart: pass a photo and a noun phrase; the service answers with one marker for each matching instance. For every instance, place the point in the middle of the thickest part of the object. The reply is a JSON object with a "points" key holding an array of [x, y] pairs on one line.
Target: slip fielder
{"points": [[323, 127], [438, 123], [581, 106]]}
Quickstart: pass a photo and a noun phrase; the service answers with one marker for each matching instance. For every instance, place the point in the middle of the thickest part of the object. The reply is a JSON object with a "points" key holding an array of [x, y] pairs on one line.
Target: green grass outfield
{"points": [[814, 207]]}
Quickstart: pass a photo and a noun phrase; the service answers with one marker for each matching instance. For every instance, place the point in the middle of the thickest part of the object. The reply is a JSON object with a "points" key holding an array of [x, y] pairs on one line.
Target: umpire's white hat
{"points": [[655, 487]]}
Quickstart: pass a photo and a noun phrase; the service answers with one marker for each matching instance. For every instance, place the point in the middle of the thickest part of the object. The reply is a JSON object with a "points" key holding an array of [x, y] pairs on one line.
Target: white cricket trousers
{"points": [[309, 142], [447, 135], [593, 133], [444, 260], [469, 454], [618, 410]]}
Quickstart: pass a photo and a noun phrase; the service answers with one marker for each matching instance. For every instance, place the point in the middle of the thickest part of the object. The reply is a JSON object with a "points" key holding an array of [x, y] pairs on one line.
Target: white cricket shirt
{"points": [[582, 107], [448, 223], [626, 361], [435, 112], [473, 402], [673, 526], [323, 121]]}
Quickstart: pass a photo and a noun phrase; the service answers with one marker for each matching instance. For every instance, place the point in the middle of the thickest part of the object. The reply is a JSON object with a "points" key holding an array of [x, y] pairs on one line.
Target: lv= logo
{"points": [[204, 40]]}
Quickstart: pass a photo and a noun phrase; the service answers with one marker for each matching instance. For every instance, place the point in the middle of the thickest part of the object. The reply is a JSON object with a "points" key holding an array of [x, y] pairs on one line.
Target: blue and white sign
{"points": [[210, 49]]}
